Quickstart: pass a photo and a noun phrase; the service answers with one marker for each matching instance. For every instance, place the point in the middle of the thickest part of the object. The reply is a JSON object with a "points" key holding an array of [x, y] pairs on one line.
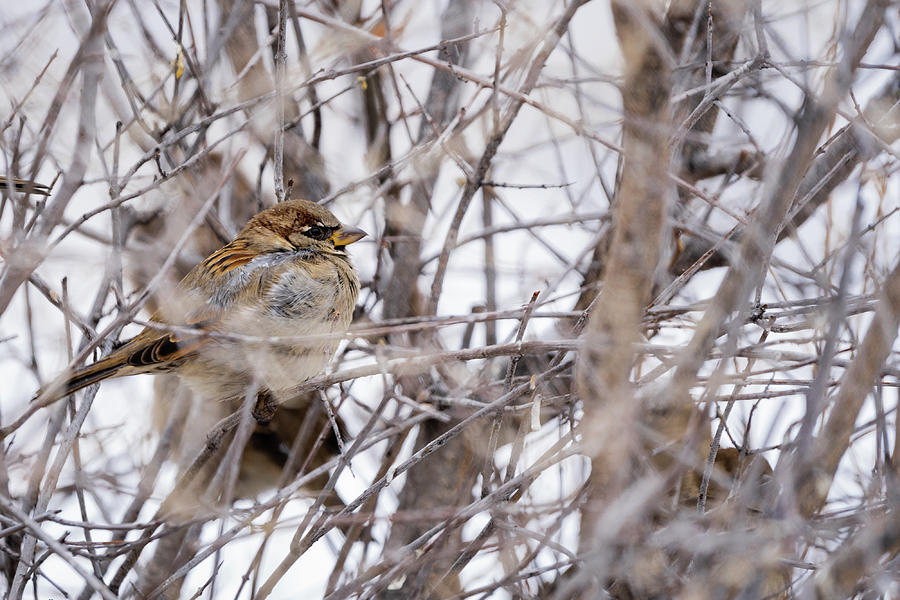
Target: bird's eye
{"points": [[317, 232]]}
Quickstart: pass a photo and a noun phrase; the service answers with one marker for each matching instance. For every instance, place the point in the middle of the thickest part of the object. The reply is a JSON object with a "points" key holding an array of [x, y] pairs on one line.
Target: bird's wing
{"points": [[218, 264], [155, 349], [159, 350], [152, 350]]}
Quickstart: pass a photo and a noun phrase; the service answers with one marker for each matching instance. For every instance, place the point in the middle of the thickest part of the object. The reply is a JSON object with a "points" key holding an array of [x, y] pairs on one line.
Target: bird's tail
{"points": [[68, 383]]}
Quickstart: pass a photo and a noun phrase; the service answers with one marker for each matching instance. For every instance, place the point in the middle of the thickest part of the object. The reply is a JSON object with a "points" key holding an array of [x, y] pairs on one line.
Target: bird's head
{"points": [[298, 225]]}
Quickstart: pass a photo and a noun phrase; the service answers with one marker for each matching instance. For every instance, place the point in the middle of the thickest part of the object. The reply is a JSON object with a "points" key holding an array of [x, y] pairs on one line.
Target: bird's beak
{"points": [[346, 236]]}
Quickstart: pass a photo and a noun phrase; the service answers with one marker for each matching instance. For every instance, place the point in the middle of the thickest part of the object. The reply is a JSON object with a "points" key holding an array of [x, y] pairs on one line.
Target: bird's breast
{"points": [[281, 311]]}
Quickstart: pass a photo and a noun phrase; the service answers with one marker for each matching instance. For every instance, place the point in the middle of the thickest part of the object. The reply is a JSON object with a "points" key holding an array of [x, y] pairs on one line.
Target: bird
{"points": [[287, 274], [24, 185]]}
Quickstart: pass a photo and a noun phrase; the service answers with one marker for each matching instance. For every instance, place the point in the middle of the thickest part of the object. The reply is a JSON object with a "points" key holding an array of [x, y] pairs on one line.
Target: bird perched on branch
{"points": [[286, 275]]}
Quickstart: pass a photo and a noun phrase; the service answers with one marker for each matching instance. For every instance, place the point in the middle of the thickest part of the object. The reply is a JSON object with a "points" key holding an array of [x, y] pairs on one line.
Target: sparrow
{"points": [[286, 274], [24, 185]]}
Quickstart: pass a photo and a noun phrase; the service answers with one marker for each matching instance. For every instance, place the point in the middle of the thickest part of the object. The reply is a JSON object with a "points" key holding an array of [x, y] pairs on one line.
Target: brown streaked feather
{"points": [[229, 257], [164, 353]]}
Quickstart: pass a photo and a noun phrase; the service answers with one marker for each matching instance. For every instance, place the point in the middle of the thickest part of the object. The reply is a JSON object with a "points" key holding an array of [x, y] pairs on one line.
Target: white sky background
{"points": [[528, 155]]}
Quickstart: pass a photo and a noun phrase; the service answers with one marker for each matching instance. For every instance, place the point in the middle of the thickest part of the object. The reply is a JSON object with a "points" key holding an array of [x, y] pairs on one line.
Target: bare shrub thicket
{"points": [[629, 313]]}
